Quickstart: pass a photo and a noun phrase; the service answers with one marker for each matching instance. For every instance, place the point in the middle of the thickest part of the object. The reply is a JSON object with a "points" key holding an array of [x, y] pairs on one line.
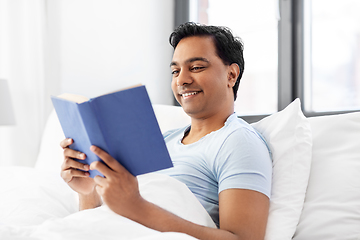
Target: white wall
{"points": [[107, 45], [86, 47]]}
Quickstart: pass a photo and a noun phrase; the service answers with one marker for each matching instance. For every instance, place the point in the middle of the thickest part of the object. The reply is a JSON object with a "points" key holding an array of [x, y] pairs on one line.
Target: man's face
{"points": [[200, 81]]}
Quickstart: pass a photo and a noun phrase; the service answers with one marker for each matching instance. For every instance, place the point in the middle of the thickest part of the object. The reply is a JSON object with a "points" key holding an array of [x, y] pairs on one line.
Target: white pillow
{"points": [[332, 205], [288, 135], [50, 155], [170, 117]]}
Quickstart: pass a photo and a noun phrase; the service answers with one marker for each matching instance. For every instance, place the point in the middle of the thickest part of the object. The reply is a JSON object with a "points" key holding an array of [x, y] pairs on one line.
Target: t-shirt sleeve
{"points": [[244, 162]]}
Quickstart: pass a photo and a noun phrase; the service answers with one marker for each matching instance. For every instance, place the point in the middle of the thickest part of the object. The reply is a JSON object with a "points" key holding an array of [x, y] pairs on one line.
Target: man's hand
{"points": [[76, 175], [119, 188]]}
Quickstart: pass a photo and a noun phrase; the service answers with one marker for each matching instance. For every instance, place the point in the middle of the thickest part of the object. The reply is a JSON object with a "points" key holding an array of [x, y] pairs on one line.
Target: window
{"points": [[307, 49], [332, 55]]}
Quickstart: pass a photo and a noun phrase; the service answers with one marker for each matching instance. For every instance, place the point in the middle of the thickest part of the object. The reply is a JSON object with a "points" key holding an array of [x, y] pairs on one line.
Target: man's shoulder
{"points": [[237, 126], [242, 133]]}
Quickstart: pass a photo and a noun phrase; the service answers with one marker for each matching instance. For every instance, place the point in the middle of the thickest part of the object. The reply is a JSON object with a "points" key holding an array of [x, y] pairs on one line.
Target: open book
{"points": [[122, 123]]}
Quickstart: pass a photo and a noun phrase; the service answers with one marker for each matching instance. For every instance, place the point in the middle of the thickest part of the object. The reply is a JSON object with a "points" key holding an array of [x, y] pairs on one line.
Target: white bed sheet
{"points": [[39, 205]]}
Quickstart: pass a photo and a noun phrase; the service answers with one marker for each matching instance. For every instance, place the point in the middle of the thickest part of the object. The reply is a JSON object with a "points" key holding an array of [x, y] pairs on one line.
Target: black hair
{"points": [[228, 47]]}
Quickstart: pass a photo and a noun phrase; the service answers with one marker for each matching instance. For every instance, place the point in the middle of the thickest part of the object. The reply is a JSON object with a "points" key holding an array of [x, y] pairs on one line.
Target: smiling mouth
{"points": [[188, 94]]}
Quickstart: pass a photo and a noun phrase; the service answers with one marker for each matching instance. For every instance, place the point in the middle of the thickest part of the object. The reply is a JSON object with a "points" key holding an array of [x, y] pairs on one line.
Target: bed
{"points": [[315, 192]]}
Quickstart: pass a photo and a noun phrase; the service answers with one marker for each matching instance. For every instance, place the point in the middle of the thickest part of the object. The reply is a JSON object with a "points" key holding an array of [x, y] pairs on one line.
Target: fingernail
{"points": [[86, 167], [82, 155], [87, 174], [92, 148], [93, 165]]}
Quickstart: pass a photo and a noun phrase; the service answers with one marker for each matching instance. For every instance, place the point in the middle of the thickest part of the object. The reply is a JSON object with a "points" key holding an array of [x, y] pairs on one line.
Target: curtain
{"points": [[28, 60], [48, 47]]}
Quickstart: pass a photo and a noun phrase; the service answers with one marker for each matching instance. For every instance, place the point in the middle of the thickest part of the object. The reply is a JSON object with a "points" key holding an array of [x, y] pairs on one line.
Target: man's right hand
{"points": [[74, 173]]}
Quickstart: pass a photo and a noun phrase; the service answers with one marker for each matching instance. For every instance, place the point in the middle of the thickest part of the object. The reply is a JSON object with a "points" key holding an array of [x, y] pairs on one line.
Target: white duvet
{"points": [[39, 205]]}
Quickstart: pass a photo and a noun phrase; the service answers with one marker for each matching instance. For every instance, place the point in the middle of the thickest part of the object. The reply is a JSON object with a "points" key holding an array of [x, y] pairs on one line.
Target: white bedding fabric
{"points": [[39, 205], [34, 208]]}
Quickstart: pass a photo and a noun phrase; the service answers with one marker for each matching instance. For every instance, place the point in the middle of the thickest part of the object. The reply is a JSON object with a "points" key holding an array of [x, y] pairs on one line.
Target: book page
{"points": [[81, 99], [74, 97]]}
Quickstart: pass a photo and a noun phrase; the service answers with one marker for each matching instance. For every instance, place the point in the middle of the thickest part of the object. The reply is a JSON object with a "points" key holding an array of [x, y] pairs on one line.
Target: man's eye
{"points": [[174, 72], [196, 68]]}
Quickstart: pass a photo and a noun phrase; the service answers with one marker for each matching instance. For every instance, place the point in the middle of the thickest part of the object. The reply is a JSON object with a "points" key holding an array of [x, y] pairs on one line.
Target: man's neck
{"points": [[201, 127]]}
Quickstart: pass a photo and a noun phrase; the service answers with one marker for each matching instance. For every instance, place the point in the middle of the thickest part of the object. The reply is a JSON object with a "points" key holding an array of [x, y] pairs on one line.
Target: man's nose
{"points": [[184, 78]]}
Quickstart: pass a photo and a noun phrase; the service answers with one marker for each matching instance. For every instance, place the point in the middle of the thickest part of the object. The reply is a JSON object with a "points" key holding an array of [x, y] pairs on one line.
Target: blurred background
{"points": [[307, 49]]}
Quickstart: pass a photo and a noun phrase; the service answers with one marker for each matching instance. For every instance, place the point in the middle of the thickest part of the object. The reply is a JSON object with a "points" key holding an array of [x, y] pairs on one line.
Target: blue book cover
{"points": [[122, 123]]}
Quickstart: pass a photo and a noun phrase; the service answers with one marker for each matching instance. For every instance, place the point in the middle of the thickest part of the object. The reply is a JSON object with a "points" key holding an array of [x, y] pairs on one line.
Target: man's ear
{"points": [[234, 71]]}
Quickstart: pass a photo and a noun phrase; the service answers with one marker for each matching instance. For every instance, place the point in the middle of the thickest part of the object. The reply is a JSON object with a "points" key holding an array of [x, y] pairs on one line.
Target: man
{"points": [[222, 160]]}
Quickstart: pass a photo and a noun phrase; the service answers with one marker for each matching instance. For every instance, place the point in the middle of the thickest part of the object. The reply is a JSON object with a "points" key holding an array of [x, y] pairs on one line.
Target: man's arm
{"points": [[89, 201], [243, 213]]}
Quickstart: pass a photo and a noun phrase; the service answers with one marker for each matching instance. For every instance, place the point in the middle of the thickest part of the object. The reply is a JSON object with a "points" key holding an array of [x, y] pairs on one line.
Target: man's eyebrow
{"points": [[173, 63], [190, 60], [194, 59]]}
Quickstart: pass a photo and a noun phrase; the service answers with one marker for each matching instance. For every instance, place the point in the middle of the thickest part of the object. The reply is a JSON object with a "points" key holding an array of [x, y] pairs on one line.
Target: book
{"points": [[122, 123]]}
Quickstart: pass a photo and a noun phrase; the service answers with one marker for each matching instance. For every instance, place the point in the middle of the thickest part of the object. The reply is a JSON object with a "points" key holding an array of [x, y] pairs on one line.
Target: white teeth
{"points": [[188, 94]]}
